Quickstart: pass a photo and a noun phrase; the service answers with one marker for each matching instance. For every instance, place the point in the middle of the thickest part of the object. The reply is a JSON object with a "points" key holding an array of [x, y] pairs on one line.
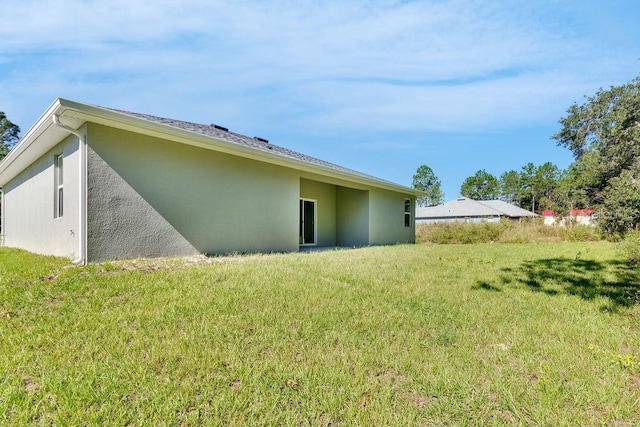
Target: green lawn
{"points": [[495, 334]]}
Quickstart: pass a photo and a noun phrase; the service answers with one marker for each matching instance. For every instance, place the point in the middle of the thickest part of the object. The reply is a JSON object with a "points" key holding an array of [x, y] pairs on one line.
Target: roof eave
{"points": [[16, 160], [21, 157]]}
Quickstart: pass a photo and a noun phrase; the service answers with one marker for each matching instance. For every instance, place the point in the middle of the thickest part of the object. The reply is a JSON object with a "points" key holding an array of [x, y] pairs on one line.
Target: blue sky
{"points": [[378, 86]]}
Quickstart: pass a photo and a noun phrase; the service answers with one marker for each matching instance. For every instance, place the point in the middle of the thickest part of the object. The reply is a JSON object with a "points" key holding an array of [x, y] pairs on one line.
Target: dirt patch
{"points": [[29, 384], [173, 263]]}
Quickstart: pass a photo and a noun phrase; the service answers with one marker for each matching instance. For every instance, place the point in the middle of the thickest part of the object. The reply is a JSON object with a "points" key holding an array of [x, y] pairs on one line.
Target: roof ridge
{"points": [[488, 206]]}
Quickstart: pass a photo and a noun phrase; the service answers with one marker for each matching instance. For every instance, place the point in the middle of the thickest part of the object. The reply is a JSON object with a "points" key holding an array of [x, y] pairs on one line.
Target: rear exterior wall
{"points": [[387, 216], [153, 197], [325, 197]]}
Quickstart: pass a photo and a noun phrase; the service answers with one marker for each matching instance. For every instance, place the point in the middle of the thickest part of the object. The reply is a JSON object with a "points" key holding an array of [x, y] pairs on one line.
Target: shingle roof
{"points": [[581, 212], [464, 207], [236, 138], [43, 136], [507, 209]]}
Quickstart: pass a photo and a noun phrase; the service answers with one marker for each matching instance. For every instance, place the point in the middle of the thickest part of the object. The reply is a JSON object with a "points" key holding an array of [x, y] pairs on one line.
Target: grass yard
{"points": [[483, 334]]}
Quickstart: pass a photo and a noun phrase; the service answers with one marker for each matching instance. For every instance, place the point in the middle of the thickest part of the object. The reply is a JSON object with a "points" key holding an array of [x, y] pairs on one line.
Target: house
{"points": [[549, 217], [576, 216], [94, 183], [583, 216], [468, 210]]}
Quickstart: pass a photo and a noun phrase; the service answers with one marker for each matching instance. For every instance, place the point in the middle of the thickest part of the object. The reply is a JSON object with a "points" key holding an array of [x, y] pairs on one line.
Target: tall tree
{"points": [[547, 175], [426, 180], [586, 178], [604, 136], [481, 186], [9, 135], [510, 186], [567, 194], [606, 126], [621, 208], [537, 184], [529, 188]]}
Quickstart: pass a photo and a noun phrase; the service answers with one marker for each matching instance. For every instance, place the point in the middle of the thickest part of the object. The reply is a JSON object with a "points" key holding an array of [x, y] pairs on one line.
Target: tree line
{"points": [[603, 134], [534, 188], [9, 135]]}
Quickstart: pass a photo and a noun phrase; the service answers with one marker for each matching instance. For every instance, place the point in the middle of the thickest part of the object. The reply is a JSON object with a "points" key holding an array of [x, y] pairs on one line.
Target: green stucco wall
{"points": [[386, 224], [28, 205], [352, 214], [166, 198], [325, 197], [147, 196]]}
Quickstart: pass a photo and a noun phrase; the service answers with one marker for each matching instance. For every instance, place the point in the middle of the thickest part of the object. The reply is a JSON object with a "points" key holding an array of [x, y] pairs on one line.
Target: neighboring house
{"points": [[93, 183], [576, 216], [549, 218], [583, 216], [468, 210]]}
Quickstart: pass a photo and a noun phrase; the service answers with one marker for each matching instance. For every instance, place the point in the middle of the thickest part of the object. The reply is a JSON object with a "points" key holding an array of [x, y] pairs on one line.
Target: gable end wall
{"points": [[28, 205]]}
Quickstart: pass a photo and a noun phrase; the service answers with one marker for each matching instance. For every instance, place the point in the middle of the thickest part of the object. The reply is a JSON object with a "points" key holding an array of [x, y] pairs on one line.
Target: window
{"points": [[407, 213], [59, 186]]}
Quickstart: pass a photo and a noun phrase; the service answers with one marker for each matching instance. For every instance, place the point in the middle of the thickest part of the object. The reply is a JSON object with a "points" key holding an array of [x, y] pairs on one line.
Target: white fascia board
{"points": [[25, 152]]}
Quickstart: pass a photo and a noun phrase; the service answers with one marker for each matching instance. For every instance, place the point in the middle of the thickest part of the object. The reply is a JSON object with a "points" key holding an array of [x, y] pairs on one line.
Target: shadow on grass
{"points": [[588, 279], [486, 286]]}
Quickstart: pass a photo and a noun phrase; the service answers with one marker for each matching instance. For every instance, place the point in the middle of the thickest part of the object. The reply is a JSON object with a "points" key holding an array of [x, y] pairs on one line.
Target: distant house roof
{"points": [[464, 207], [507, 209]]}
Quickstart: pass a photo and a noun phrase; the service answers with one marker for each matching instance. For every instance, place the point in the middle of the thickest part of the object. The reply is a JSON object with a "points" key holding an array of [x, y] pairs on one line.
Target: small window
{"points": [[59, 186], [407, 213]]}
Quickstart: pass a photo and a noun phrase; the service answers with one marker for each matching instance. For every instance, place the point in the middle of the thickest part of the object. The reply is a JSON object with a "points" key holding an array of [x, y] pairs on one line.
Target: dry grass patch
{"points": [[504, 231]]}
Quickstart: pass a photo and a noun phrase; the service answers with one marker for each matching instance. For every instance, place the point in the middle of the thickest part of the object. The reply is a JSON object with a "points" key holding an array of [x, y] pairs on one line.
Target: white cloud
{"points": [[353, 64]]}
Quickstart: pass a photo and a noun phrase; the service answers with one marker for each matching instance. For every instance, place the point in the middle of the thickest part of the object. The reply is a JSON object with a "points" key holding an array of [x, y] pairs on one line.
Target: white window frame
{"points": [[407, 213], [58, 197]]}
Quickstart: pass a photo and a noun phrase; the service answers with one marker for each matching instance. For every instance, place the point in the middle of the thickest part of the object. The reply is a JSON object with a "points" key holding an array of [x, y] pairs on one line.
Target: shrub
{"points": [[582, 233], [630, 248], [459, 232], [505, 231]]}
